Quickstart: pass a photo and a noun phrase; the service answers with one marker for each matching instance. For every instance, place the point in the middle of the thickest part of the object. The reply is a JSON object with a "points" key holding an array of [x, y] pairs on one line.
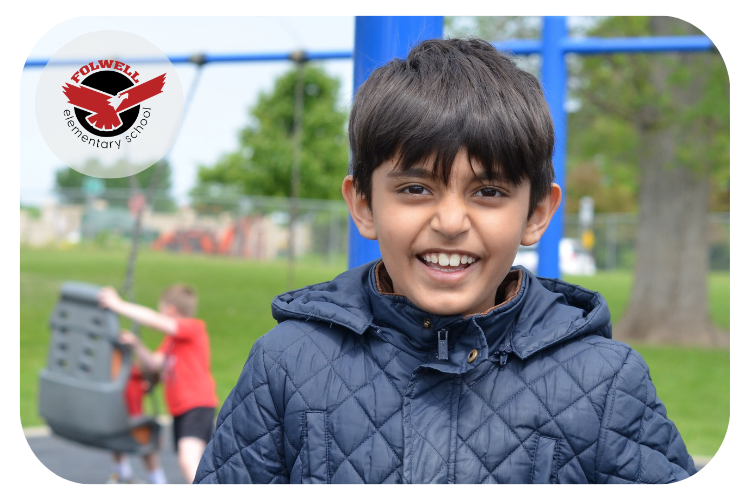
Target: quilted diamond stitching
{"points": [[239, 449], [346, 457], [496, 412], [609, 418], [645, 403], [560, 467], [445, 462], [440, 411], [640, 435], [305, 334], [577, 385], [553, 368], [553, 416], [296, 389], [377, 431], [279, 454], [295, 450], [329, 363], [481, 462], [599, 346], [389, 475], [351, 394]]}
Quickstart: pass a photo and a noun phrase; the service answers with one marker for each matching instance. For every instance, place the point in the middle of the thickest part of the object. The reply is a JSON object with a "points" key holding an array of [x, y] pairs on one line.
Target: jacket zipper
{"points": [[442, 344]]}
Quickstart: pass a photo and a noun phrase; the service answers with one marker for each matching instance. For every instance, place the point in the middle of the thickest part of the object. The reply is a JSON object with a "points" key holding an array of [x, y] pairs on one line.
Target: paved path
{"points": [[88, 465]]}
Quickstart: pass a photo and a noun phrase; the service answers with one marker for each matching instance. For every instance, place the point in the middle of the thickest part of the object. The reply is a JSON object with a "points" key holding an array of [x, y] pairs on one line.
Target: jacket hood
{"points": [[544, 312]]}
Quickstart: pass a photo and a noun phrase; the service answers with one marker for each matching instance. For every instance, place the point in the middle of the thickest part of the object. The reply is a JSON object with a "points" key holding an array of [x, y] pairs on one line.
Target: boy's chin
{"points": [[448, 307]]}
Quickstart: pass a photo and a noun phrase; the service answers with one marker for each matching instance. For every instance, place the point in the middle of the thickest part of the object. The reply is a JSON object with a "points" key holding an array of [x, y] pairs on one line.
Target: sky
{"points": [[224, 93]]}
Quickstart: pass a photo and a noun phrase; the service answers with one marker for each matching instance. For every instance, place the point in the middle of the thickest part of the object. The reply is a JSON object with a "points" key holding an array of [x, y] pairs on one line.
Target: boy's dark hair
{"points": [[182, 297], [446, 95]]}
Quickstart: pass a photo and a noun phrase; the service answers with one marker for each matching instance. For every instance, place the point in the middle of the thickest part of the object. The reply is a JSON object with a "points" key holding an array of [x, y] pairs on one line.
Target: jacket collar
{"points": [[403, 324], [537, 313]]}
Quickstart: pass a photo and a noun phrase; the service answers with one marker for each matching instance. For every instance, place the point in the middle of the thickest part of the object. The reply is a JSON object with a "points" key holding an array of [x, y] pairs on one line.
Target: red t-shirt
{"points": [[187, 368]]}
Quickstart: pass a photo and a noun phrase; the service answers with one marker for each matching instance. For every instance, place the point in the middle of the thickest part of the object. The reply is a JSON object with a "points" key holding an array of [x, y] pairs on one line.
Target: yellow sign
{"points": [[587, 239]]}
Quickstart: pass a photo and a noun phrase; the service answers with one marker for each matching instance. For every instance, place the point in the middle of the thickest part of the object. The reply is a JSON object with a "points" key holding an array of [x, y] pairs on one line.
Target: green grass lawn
{"points": [[235, 301], [616, 286]]}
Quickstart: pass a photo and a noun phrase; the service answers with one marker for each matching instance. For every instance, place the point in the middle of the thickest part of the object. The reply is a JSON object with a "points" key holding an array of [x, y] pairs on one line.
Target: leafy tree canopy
{"points": [[609, 96], [262, 163]]}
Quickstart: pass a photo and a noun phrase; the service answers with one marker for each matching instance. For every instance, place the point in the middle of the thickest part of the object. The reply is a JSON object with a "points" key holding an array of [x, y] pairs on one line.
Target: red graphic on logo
{"points": [[105, 108]]}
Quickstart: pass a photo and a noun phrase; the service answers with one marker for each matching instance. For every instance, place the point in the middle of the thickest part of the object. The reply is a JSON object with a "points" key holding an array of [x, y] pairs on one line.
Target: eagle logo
{"points": [[104, 109]]}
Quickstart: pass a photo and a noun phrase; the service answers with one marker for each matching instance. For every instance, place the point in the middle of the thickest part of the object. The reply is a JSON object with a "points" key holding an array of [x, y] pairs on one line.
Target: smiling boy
{"points": [[441, 363], [448, 244]]}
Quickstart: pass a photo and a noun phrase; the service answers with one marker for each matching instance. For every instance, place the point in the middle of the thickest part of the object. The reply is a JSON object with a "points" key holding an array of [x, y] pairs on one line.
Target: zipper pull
{"points": [[503, 353], [442, 344]]}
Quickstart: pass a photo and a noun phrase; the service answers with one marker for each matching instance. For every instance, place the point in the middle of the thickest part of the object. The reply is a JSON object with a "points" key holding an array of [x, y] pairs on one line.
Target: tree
{"points": [[610, 180], [653, 128], [262, 163], [677, 104], [69, 184]]}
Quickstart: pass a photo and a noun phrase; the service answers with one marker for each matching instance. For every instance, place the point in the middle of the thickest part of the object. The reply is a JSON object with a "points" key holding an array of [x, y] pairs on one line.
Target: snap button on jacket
{"points": [[353, 387]]}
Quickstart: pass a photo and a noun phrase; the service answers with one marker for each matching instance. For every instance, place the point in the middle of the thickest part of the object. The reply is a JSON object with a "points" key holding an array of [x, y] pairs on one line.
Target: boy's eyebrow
{"points": [[423, 173], [419, 172]]}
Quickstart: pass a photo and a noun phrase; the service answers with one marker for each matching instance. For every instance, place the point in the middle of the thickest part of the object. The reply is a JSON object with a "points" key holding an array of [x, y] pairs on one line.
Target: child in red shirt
{"points": [[183, 358]]}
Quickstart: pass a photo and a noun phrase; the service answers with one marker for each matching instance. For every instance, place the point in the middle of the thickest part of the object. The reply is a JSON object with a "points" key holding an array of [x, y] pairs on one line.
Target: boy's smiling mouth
{"points": [[447, 262]]}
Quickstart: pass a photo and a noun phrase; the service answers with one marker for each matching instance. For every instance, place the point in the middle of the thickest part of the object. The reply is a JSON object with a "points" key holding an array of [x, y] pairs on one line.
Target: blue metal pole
{"points": [[377, 40], [554, 78], [594, 45], [584, 46], [209, 58]]}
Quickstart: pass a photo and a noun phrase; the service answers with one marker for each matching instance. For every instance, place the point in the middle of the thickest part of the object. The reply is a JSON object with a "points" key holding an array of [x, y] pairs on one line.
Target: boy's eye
{"points": [[415, 190], [489, 193]]}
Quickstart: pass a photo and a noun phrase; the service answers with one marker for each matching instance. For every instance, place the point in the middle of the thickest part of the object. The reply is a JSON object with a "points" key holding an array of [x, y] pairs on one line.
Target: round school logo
{"points": [[109, 104]]}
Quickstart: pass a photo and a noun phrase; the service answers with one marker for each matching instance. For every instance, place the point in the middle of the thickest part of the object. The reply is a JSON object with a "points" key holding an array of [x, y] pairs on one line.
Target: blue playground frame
{"points": [[378, 39]]}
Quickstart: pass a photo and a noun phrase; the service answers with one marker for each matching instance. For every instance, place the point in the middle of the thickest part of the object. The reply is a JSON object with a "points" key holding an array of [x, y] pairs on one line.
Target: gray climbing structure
{"points": [[82, 389]]}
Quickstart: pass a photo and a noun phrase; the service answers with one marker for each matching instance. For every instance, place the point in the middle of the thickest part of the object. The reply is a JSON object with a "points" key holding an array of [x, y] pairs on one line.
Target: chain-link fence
{"points": [[229, 224], [615, 237], [258, 227]]}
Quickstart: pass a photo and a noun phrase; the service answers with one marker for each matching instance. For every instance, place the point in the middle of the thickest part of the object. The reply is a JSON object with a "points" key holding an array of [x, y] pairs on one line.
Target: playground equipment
{"points": [[81, 391], [238, 239]]}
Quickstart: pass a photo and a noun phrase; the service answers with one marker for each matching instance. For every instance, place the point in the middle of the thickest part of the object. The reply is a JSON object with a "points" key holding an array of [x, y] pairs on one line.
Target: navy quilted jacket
{"points": [[350, 388]]}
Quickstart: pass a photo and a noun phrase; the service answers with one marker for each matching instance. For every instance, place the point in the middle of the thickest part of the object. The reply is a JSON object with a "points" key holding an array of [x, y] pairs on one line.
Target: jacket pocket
{"points": [[544, 467], [316, 447]]}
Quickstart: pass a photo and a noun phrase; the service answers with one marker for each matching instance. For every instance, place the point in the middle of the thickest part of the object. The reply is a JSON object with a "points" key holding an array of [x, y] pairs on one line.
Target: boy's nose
{"points": [[451, 218]]}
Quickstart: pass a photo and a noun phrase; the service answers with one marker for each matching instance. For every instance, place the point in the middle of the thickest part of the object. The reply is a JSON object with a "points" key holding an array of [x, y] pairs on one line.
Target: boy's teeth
{"points": [[444, 259]]}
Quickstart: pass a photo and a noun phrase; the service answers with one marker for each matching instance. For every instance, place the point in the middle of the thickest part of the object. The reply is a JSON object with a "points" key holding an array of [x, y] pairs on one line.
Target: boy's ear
{"points": [[360, 212], [540, 219]]}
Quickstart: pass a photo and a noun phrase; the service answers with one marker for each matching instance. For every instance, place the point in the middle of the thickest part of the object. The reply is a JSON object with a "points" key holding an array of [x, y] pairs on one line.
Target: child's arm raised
{"points": [[109, 298], [150, 361]]}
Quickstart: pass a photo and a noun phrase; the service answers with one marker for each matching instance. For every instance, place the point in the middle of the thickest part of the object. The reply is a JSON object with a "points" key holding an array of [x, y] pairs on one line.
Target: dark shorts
{"points": [[198, 422]]}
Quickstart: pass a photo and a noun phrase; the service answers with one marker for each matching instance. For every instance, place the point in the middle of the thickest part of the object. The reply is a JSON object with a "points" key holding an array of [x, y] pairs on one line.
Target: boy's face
{"points": [[476, 225], [168, 309]]}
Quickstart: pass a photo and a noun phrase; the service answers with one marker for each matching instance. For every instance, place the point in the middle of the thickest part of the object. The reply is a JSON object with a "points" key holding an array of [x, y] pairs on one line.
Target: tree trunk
{"points": [[669, 302]]}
